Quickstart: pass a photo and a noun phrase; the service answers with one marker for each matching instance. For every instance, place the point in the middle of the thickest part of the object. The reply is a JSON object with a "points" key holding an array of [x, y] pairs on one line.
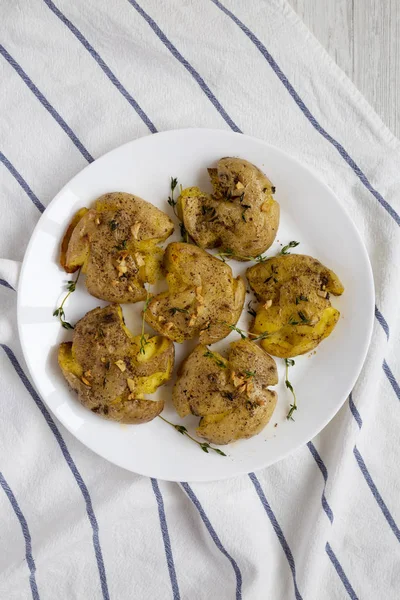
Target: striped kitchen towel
{"points": [[79, 78]]}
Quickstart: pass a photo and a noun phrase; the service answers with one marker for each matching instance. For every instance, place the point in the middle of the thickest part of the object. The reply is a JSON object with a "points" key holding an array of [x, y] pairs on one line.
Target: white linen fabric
{"points": [[79, 78]]}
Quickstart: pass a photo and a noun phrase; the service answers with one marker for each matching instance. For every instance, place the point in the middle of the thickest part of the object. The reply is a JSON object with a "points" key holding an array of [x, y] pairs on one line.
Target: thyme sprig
{"points": [[172, 202], [238, 330], [289, 362], [143, 338], [228, 254], [205, 446], [246, 334], [59, 312]]}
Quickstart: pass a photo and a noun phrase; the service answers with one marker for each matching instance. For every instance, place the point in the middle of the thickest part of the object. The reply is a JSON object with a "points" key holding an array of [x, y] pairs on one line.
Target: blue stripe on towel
{"points": [[25, 532], [215, 538], [368, 478], [340, 572], [278, 531], [354, 411], [5, 284], [391, 379], [70, 463], [324, 471], [376, 494], [166, 540], [284, 80], [196, 76], [381, 319], [329, 514], [22, 182], [46, 104], [104, 67]]}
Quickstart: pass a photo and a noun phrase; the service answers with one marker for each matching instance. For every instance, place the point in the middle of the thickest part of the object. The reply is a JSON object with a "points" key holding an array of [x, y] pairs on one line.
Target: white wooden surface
{"points": [[363, 36]]}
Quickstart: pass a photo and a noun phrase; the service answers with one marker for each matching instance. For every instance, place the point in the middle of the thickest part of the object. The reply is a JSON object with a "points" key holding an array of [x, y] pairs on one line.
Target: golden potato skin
{"points": [[202, 296], [295, 310], [104, 365], [233, 401], [115, 243], [241, 214]]}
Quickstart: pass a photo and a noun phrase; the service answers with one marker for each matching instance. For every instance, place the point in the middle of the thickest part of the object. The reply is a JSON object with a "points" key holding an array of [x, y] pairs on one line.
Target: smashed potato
{"points": [[295, 313], [203, 296], [240, 216], [230, 395], [104, 364], [116, 244]]}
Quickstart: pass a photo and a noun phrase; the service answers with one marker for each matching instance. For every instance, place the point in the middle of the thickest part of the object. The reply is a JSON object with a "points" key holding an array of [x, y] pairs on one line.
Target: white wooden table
{"points": [[363, 36]]}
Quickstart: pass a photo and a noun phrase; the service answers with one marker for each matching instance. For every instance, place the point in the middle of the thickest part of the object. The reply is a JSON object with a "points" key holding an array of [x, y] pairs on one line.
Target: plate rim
{"points": [[362, 355]]}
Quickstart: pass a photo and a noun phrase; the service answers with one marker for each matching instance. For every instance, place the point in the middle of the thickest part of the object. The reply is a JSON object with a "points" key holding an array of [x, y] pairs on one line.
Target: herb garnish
{"points": [[122, 245], [175, 309], [209, 212], [249, 374], [143, 339], [289, 362], [289, 245], [250, 309], [292, 321], [205, 446], [228, 196], [301, 298], [261, 336], [246, 334], [113, 225], [59, 312], [245, 207], [184, 233], [303, 317], [229, 254], [239, 331], [172, 202], [218, 361], [274, 271]]}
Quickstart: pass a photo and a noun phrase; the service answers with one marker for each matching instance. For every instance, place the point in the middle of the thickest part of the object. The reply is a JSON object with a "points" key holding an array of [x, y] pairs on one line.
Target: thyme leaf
{"points": [[303, 317], [218, 361], [250, 309], [176, 309], [122, 245], [301, 298], [285, 249]]}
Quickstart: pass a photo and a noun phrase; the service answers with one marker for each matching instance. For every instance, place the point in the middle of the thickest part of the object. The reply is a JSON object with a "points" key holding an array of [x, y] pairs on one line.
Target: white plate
{"points": [[310, 213]]}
